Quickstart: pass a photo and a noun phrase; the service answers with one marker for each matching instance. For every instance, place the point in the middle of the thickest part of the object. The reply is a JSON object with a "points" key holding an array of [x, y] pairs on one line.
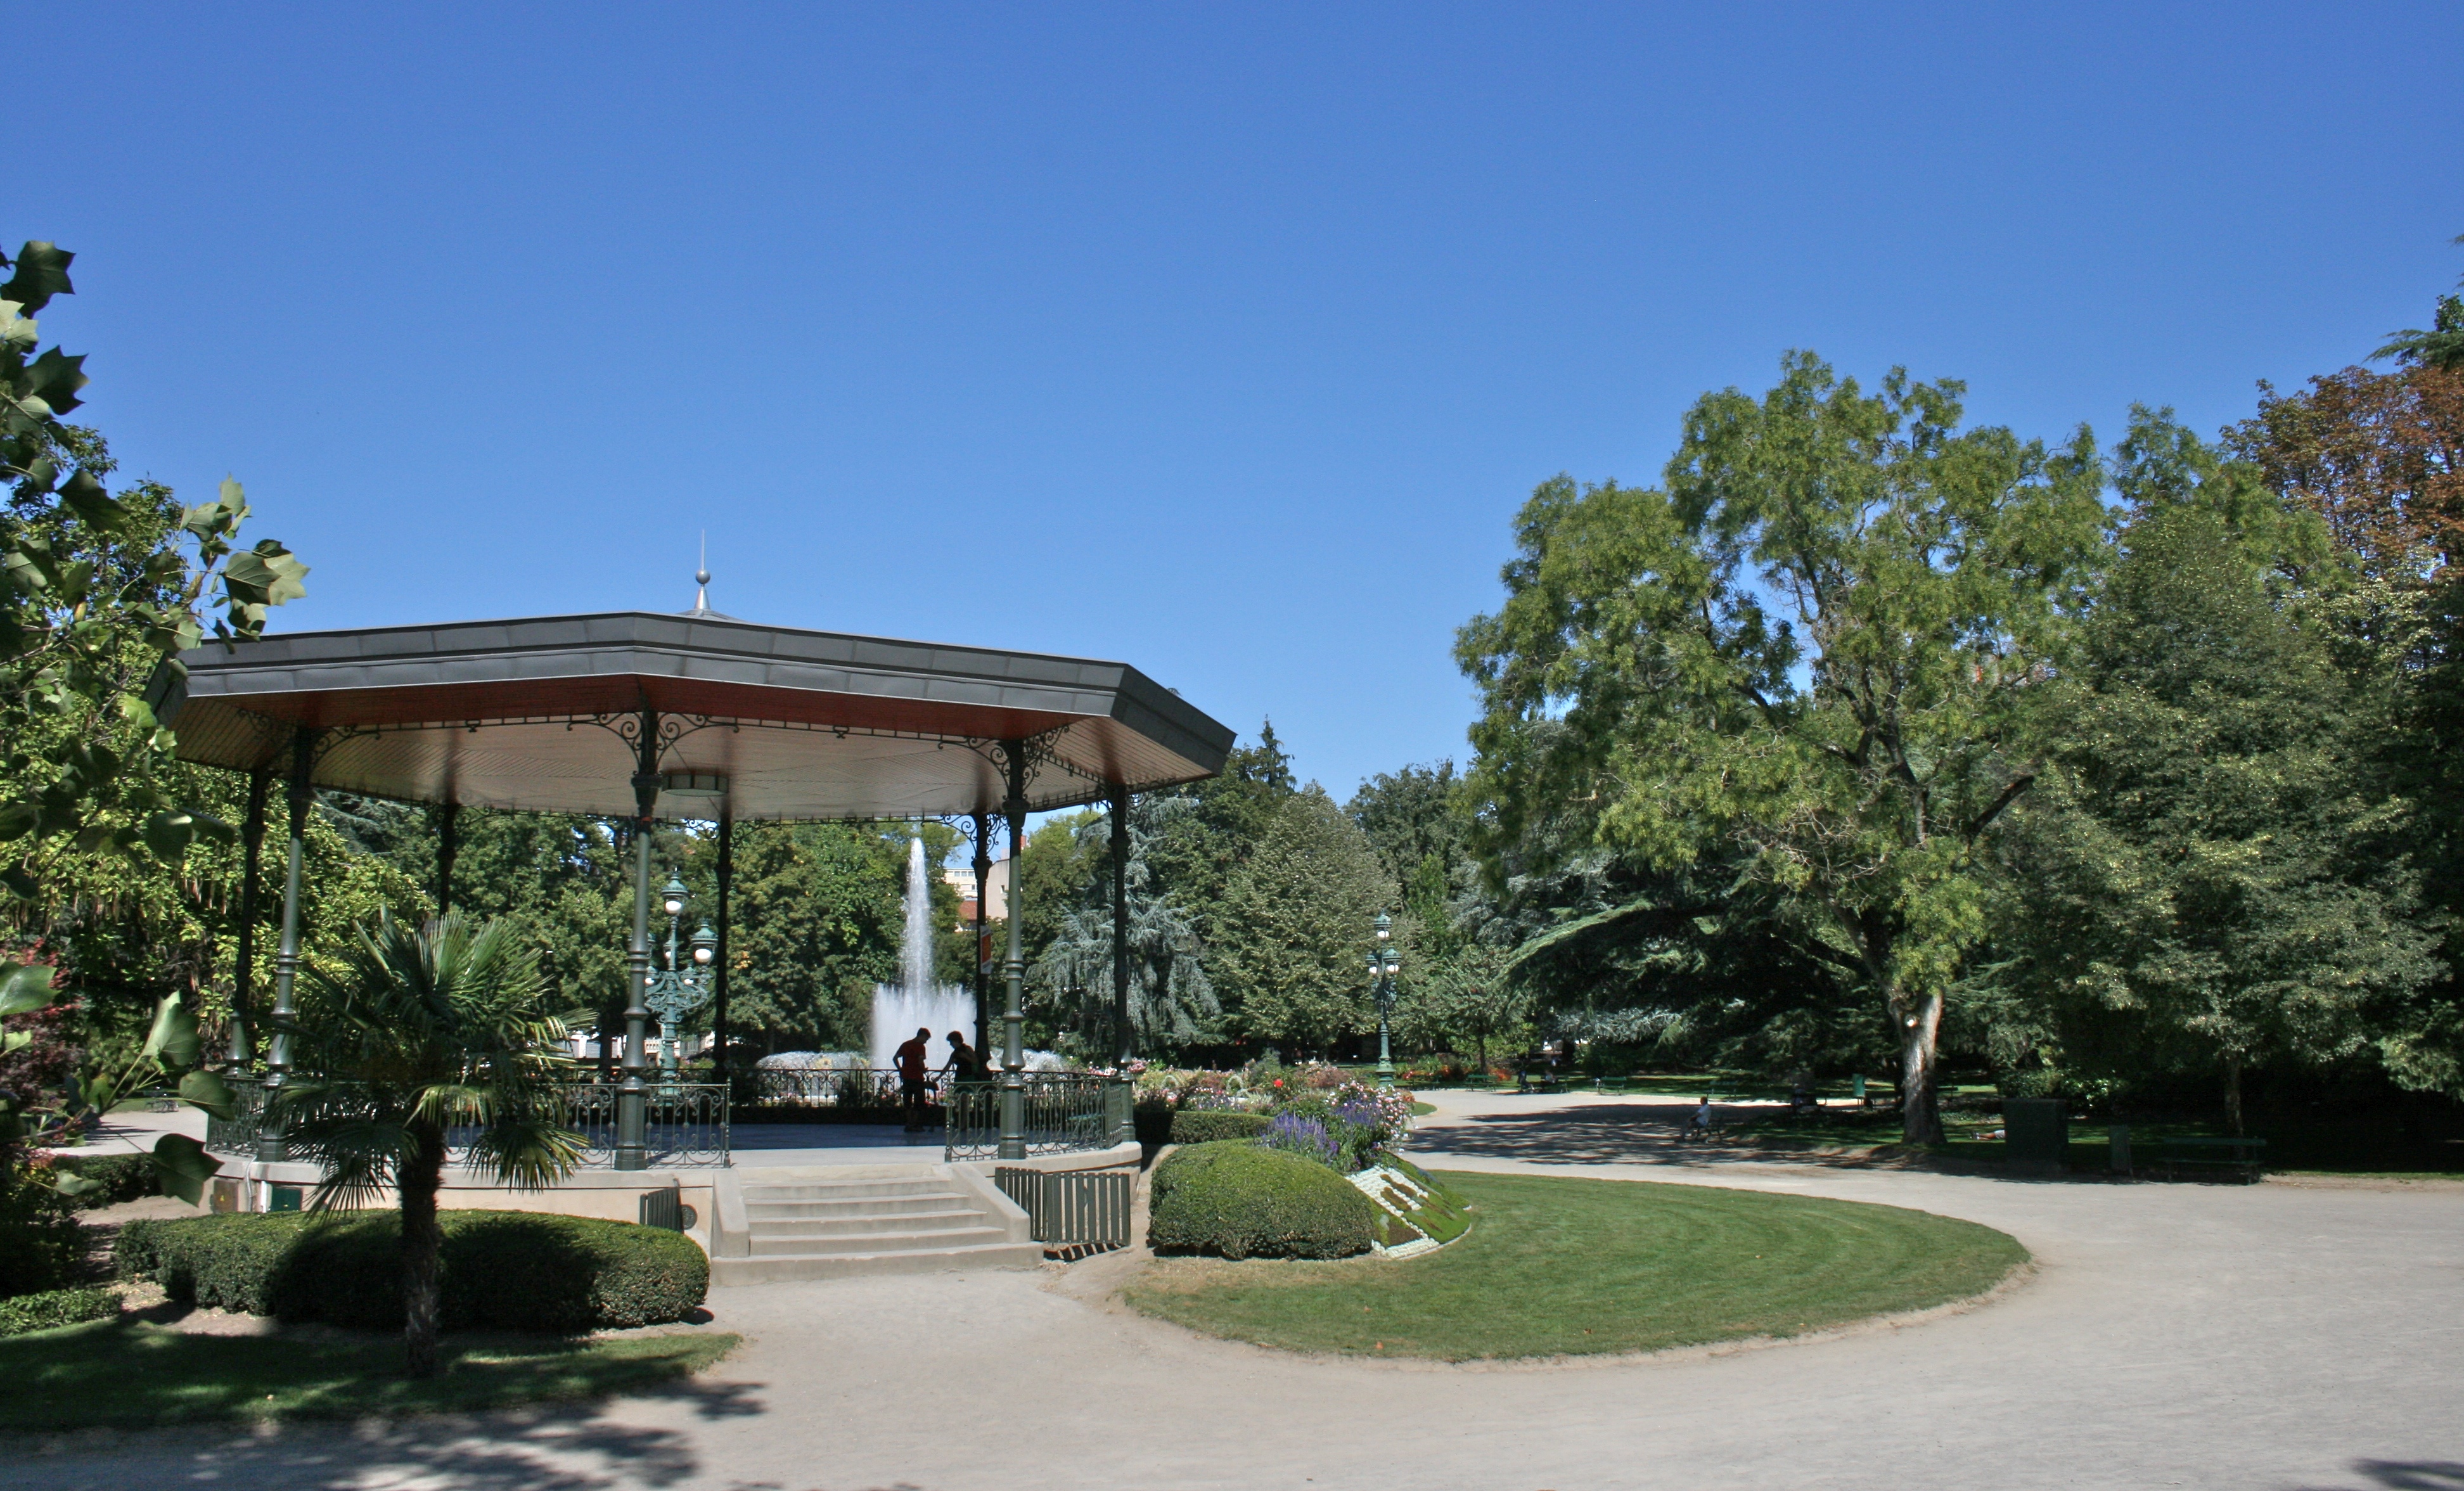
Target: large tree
{"points": [[1809, 650], [2213, 875], [97, 594], [1294, 932], [1172, 999]]}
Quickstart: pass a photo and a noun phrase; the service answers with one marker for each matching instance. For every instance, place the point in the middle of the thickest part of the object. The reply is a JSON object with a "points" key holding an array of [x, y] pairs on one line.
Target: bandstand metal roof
{"points": [[541, 713]]}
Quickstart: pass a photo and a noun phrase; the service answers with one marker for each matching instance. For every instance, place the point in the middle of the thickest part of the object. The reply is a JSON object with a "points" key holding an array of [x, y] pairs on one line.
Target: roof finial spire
{"points": [[701, 574]]}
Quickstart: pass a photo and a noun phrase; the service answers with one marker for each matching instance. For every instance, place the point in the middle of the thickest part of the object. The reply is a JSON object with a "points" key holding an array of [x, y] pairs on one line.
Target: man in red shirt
{"points": [[913, 1058]]}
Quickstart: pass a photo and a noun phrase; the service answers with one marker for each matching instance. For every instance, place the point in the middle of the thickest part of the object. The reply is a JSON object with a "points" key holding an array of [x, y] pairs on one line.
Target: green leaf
{"points": [[83, 495], [17, 332], [182, 1166], [70, 1183], [266, 574], [19, 883], [54, 378], [26, 990], [204, 1090], [169, 834], [17, 819], [42, 272], [174, 1041]]}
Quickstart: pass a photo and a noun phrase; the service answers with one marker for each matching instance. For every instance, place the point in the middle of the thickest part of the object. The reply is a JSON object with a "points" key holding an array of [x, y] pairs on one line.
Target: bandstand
{"points": [[696, 716]]}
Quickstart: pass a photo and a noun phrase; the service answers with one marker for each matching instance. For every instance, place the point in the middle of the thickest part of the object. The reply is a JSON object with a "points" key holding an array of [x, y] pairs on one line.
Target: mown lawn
{"points": [[132, 1375], [1566, 1266]]}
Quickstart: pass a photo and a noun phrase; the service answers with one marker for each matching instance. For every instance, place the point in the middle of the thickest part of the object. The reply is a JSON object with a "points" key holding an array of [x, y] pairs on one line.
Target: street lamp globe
{"points": [[672, 897], [705, 944], [1384, 924]]}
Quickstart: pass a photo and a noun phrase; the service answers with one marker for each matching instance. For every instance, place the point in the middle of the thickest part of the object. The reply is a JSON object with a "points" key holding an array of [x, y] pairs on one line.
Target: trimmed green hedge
{"points": [[510, 1270], [54, 1307], [1242, 1200], [1206, 1125], [125, 1178], [42, 1245]]}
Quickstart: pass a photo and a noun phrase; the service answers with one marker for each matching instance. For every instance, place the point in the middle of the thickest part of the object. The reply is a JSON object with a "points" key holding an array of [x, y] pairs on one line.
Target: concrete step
{"points": [[785, 1268], [947, 1238], [756, 1213], [859, 1227], [842, 1189]]}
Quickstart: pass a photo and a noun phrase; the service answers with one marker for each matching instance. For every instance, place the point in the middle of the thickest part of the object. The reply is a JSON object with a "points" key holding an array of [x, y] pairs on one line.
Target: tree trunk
{"points": [[2232, 1093], [1919, 1117], [422, 1241]]}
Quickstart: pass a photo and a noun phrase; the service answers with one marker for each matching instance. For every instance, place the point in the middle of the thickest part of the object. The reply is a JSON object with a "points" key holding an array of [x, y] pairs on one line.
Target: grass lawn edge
{"points": [[1158, 1303]]}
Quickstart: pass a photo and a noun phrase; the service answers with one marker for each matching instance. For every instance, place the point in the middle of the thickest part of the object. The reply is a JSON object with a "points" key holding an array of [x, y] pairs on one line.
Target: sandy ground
{"points": [[2271, 1336]]}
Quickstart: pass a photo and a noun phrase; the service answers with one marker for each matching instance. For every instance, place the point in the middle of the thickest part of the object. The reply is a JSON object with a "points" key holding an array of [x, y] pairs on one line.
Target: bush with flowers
{"points": [[1355, 1121]]}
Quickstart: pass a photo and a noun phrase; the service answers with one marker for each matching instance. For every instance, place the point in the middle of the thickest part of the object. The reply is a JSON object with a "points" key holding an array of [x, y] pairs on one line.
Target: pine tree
{"points": [[1296, 927]]}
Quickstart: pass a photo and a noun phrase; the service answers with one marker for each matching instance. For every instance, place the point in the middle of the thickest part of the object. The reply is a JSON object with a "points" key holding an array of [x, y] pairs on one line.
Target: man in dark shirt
{"points": [[913, 1058], [966, 1063]]}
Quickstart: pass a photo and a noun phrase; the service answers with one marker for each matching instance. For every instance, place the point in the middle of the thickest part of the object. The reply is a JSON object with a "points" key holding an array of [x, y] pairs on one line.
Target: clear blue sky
{"points": [[1222, 340]]}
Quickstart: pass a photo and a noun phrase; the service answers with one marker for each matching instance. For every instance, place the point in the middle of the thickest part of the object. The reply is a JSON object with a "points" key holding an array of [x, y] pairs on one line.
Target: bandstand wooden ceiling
{"points": [[541, 714]]}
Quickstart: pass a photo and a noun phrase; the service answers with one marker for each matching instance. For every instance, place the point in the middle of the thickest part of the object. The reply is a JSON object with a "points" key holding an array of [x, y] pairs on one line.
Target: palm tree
{"points": [[416, 1032]]}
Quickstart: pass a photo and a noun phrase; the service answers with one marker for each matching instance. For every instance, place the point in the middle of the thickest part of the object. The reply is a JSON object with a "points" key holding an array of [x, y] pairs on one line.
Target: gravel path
{"points": [[2272, 1336]]}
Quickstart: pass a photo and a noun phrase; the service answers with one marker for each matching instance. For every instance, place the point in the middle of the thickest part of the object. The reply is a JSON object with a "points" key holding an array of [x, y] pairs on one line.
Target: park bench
{"points": [[1536, 1082], [1608, 1083], [2238, 1159]]}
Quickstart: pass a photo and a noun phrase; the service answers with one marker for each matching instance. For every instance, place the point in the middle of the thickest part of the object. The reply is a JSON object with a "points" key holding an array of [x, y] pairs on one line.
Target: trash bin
{"points": [[2037, 1135]]}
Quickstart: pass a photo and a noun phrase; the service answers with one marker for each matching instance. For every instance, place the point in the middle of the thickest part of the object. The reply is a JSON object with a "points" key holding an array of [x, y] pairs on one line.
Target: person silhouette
{"points": [[966, 1063], [913, 1058]]}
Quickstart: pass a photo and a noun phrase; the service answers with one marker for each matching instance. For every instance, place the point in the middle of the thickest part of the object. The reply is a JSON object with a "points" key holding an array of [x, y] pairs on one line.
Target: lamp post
{"points": [[1383, 962], [673, 991]]}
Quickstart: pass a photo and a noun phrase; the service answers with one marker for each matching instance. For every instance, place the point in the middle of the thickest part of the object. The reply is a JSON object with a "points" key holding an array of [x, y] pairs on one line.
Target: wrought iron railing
{"points": [[237, 1133], [683, 1123], [1070, 1209], [868, 1087], [1066, 1112]]}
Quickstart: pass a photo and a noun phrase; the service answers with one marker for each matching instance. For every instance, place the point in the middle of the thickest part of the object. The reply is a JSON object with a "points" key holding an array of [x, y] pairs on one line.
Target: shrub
{"points": [[1242, 1200], [226, 1262], [123, 1178], [55, 1307], [1206, 1125], [510, 1270], [42, 1245]]}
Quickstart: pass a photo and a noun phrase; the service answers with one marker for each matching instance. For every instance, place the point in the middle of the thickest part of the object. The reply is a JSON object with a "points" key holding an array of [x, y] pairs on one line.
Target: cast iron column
{"points": [[271, 1149], [1121, 1033], [252, 839], [718, 998], [983, 980], [633, 1103], [1013, 1093], [449, 816]]}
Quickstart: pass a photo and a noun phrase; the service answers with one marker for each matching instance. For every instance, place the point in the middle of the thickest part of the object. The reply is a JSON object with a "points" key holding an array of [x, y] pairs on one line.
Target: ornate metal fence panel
{"points": [[1071, 1209], [1065, 1116], [684, 1122], [237, 1133]]}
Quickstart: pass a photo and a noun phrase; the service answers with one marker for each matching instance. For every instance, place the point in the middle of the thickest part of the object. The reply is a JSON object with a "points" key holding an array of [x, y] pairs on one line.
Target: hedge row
{"points": [[123, 1178], [510, 1270], [1160, 1124], [1206, 1125], [54, 1307], [42, 1245], [1242, 1200]]}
